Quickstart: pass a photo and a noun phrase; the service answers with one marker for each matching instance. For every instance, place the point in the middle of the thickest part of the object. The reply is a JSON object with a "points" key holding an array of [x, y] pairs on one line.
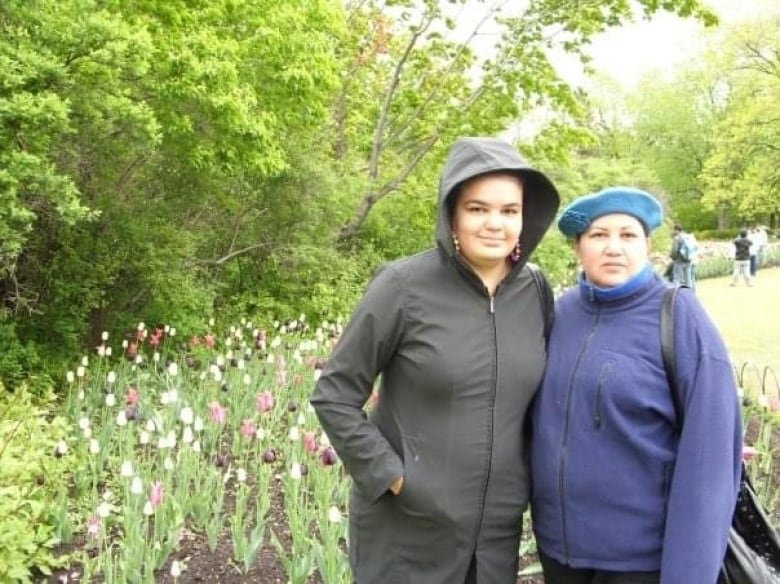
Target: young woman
{"points": [[621, 494], [439, 470]]}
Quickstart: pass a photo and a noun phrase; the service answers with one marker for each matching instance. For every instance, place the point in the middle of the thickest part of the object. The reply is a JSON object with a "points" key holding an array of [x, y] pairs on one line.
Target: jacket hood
{"points": [[470, 157]]}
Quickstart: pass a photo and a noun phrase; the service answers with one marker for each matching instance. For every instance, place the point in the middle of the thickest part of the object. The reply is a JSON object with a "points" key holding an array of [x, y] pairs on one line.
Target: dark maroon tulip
{"points": [[304, 470], [292, 406], [269, 455], [328, 456], [233, 362], [132, 413], [224, 387], [221, 460], [320, 363]]}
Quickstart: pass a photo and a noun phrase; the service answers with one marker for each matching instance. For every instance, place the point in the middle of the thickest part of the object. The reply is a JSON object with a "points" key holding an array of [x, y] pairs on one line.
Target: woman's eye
{"points": [[512, 211]]}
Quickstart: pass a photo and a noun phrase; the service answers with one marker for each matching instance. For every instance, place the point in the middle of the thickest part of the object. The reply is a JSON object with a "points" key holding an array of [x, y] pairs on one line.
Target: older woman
{"points": [[457, 333], [620, 493]]}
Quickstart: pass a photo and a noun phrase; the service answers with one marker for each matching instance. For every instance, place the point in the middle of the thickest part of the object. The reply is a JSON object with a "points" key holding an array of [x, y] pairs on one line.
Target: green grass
{"points": [[748, 319]]}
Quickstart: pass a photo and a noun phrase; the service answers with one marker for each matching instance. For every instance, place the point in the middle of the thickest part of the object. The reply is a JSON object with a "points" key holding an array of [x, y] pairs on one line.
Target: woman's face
{"points": [[613, 249], [488, 219]]}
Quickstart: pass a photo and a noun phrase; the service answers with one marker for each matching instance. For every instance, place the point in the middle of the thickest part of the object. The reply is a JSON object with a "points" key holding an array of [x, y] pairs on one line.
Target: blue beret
{"points": [[576, 218]]}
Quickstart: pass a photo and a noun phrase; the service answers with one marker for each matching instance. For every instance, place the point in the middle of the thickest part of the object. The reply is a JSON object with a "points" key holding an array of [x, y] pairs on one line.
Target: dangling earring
{"points": [[456, 243], [515, 255]]}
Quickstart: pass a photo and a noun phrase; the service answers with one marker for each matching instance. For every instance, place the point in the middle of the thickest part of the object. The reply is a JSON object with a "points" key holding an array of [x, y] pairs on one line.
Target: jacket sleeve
{"points": [[365, 347], [674, 253], [705, 482]]}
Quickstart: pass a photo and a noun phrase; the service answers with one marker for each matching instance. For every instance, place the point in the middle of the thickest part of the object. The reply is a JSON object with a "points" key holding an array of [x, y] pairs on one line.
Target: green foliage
{"points": [[171, 161], [29, 476], [719, 234], [742, 172]]}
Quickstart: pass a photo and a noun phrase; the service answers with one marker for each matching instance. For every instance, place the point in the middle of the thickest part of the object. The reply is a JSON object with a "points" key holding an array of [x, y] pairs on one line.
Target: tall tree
{"points": [[409, 87]]}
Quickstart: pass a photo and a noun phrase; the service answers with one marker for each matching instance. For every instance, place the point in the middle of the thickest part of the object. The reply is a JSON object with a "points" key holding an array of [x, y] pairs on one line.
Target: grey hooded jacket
{"points": [[458, 370]]}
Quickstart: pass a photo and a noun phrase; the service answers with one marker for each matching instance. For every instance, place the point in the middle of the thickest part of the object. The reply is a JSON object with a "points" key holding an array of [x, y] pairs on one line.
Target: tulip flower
{"points": [[217, 412], [265, 401], [156, 494], [93, 526], [186, 416], [127, 469], [248, 428], [137, 486], [133, 396], [328, 456], [334, 515], [310, 442]]}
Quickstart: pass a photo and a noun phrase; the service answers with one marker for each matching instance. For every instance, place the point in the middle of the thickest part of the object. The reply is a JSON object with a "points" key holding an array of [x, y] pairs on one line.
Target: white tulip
{"points": [[127, 469], [137, 486], [334, 515], [186, 415]]}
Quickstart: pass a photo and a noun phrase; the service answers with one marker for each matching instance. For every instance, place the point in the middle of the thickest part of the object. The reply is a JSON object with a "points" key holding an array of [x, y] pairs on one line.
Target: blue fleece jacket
{"points": [[615, 485]]}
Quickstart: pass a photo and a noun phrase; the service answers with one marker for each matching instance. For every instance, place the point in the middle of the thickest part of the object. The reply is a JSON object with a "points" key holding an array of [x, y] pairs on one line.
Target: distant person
{"points": [[742, 245], [623, 492], [684, 254], [754, 244], [763, 244], [439, 467]]}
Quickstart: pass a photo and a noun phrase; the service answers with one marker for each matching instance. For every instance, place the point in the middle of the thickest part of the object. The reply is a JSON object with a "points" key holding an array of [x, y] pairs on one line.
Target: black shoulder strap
{"points": [[545, 298], [667, 350]]}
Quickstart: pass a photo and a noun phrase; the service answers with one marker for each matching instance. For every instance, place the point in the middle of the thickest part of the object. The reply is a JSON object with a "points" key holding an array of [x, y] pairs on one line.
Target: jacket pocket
{"points": [[415, 499], [604, 375]]}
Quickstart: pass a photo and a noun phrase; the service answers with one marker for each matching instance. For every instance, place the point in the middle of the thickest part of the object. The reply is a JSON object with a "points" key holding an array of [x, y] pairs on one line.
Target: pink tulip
{"points": [[209, 340], [309, 443], [133, 397], [217, 412], [265, 401], [93, 526], [157, 494], [248, 428]]}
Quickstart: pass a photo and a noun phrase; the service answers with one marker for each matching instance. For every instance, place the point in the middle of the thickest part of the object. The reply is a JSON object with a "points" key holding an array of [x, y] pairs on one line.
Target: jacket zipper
{"points": [[478, 528], [565, 439]]}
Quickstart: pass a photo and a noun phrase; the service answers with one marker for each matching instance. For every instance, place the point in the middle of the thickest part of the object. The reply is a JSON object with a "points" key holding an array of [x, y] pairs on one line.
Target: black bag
{"points": [[753, 550]]}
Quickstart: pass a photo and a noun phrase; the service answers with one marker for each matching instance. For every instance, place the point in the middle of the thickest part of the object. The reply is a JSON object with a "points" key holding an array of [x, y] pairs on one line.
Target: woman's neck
{"points": [[492, 274]]}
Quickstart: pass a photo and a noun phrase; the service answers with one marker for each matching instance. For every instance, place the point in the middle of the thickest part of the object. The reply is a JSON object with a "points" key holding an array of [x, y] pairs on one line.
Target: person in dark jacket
{"points": [[742, 245], [439, 466], [621, 494]]}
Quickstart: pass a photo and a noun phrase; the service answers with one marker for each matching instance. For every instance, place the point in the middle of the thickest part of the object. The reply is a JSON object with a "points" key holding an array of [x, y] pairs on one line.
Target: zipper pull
{"points": [[492, 306]]}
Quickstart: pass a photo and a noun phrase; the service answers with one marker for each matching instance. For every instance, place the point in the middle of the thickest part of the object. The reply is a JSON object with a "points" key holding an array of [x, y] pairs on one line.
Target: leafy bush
{"points": [[29, 471], [718, 234]]}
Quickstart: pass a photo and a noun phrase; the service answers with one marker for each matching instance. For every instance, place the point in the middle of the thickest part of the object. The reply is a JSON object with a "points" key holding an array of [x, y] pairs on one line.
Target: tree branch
{"points": [[384, 113]]}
